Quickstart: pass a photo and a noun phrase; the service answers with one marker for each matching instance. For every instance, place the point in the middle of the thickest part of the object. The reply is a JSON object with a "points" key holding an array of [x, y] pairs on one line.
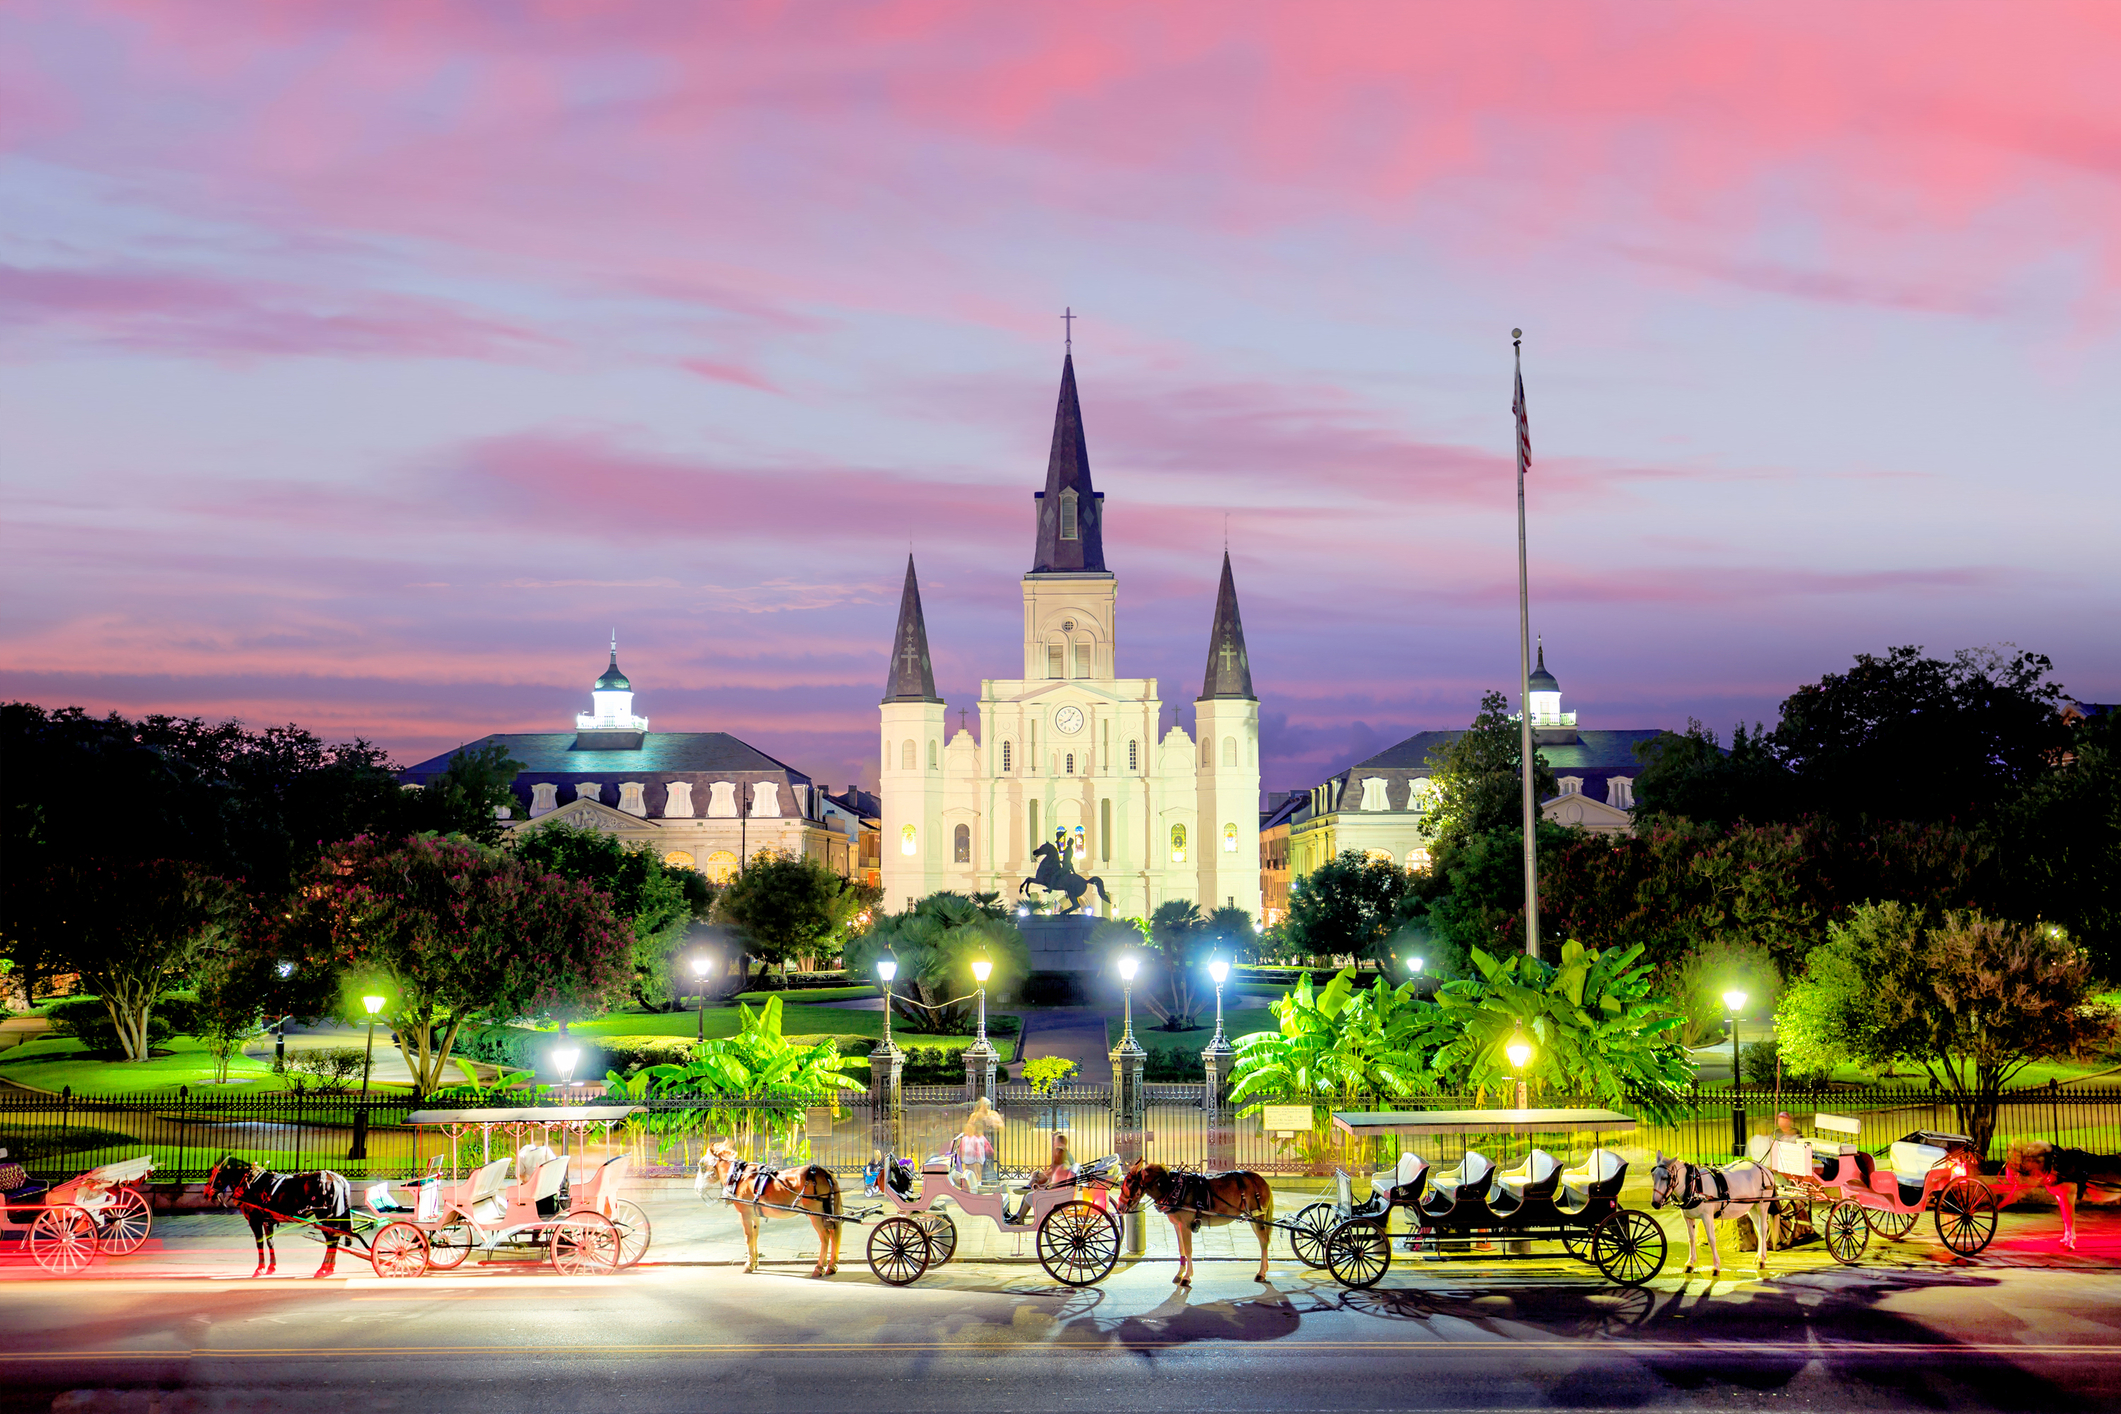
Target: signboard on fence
{"points": [[1284, 1119], [818, 1122]]}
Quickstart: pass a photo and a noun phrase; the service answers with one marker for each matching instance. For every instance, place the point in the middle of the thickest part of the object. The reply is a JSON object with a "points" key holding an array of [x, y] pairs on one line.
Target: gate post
{"points": [[1130, 1114], [1215, 1063], [980, 1061], [887, 1064]]}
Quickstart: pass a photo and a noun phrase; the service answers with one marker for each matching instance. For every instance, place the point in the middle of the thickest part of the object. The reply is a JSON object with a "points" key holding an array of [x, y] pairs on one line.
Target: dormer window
{"points": [[544, 798], [1620, 792], [1572, 785], [630, 798], [1373, 793], [1067, 514]]}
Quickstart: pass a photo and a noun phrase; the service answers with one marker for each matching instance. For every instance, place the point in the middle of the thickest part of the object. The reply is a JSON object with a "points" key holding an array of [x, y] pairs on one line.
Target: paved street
{"points": [[2024, 1328]]}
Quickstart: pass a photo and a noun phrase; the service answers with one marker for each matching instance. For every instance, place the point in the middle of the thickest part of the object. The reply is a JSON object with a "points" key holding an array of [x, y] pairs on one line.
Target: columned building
{"points": [[1070, 746]]}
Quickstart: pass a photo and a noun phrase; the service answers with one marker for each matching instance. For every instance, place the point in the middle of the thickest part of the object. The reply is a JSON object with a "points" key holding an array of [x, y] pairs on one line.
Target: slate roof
{"points": [[911, 676], [1068, 469], [1229, 669], [661, 754], [1596, 757]]}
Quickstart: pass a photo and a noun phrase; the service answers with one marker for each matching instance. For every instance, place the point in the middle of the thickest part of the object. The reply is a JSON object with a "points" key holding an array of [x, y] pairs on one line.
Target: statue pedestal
{"points": [[1060, 943]]}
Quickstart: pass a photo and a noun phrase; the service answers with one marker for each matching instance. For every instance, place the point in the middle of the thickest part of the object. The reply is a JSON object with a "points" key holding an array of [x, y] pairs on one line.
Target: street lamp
{"points": [[1519, 1050], [981, 971], [1220, 971], [1129, 964], [700, 966], [359, 1148], [1734, 1002], [564, 1058], [887, 968]]}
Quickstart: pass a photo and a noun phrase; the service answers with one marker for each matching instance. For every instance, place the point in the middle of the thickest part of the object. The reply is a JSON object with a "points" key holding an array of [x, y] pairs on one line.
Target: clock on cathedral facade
{"points": [[1070, 748]]}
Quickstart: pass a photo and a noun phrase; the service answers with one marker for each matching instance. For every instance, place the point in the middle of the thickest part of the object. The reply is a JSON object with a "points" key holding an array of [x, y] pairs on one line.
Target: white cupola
{"points": [[612, 699]]}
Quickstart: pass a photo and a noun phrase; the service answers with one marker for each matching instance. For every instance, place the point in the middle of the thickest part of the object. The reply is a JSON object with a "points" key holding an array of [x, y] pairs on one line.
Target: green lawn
{"points": [[805, 1022], [55, 1063], [811, 994], [1236, 1023]]}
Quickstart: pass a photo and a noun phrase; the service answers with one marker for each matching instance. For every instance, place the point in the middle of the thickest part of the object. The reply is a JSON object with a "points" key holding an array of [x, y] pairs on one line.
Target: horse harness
{"points": [[1188, 1190], [1692, 1193]]}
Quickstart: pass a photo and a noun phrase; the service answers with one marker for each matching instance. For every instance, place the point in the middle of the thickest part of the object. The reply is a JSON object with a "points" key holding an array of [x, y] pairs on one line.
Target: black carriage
{"points": [[1474, 1211]]}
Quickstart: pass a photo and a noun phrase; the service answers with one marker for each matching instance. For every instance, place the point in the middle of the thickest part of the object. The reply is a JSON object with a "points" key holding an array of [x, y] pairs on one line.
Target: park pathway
{"points": [[1077, 1033]]}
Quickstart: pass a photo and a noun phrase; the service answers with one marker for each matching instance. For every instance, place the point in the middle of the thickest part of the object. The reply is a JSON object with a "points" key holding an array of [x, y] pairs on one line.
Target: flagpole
{"points": [[1524, 671]]}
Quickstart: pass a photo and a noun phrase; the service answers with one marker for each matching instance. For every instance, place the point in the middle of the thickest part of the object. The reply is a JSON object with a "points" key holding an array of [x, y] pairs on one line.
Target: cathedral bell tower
{"points": [[911, 781], [1226, 727]]}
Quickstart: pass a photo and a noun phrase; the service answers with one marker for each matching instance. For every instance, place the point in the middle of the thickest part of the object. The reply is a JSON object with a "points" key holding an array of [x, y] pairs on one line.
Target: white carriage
{"points": [[66, 1226], [1074, 1228]]}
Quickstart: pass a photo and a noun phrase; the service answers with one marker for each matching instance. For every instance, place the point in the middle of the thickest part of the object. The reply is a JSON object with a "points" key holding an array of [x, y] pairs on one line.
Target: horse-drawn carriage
{"points": [[1076, 1236], [1475, 1211], [66, 1226], [1928, 1171]]}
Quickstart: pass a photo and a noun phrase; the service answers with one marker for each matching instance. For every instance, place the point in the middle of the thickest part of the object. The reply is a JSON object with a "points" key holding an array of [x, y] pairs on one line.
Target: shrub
{"points": [[328, 1068], [88, 1021], [629, 1055], [1173, 1067], [516, 1046]]}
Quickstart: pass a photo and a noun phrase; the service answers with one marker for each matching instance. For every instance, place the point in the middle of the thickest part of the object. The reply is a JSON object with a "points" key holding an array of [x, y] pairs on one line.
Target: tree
{"points": [[756, 1077], [131, 928], [1912, 738], [786, 905], [1478, 778], [1345, 908], [1688, 776], [1972, 1000], [2058, 845], [449, 930], [1597, 1027], [1342, 1042], [935, 943], [467, 798], [657, 901]]}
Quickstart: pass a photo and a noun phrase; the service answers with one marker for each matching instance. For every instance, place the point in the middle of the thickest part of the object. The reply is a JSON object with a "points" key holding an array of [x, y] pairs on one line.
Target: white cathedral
{"points": [[1070, 748]]}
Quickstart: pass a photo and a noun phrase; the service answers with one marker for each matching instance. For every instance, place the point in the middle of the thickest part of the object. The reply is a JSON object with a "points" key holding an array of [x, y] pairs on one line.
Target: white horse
{"points": [[1703, 1194]]}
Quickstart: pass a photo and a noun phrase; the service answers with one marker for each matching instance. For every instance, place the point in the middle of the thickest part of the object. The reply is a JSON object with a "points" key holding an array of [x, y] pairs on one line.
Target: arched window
{"points": [[1067, 514], [1178, 844], [1230, 838], [961, 844], [1104, 829], [908, 839], [721, 866], [1007, 765], [1418, 861], [1071, 763], [1229, 751], [678, 859], [905, 757], [931, 753], [1207, 751], [1134, 756]]}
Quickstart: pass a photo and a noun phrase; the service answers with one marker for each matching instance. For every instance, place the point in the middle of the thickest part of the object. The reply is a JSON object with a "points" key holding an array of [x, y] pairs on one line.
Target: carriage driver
{"points": [[1059, 1170]]}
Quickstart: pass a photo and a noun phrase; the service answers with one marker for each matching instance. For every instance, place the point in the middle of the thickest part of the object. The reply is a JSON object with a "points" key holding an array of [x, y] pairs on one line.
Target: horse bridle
{"points": [[1688, 1195]]}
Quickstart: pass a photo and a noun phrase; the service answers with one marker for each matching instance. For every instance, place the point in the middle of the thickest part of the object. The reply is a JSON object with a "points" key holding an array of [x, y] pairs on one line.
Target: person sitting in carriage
{"points": [[1059, 1170]]}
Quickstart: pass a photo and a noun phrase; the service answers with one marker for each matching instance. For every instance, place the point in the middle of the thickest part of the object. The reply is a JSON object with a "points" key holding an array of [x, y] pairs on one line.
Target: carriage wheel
{"points": [[1628, 1247], [399, 1250], [63, 1239], [634, 1231], [1357, 1253], [126, 1223], [449, 1244], [1965, 1213], [1078, 1244], [942, 1236], [898, 1251], [1577, 1244], [1308, 1232], [585, 1242], [1794, 1218], [1888, 1224], [1846, 1230]]}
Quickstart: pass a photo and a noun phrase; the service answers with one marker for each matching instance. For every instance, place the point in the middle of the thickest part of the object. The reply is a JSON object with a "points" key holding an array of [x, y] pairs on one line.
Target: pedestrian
{"points": [[979, 1139]]}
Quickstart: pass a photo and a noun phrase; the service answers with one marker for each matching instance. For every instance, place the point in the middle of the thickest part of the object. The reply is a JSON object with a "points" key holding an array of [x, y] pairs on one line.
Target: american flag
{"points": [[1524, 428]]}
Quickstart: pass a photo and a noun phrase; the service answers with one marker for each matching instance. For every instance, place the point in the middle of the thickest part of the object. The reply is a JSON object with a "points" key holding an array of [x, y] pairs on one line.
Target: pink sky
{"points": [[365, 365]]}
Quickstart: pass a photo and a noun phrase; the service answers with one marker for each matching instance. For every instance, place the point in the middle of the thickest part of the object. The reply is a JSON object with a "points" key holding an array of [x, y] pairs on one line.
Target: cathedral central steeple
{"points": [[1071, 531]]}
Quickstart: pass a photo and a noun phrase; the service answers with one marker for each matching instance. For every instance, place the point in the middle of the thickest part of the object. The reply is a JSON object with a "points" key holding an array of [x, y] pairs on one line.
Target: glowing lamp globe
{"points": [[1519, 1051], [1734, 1000], [564, 1058], [1415, 963], [1128, 966], [1219, 970], [887, 969], [982, 970], [701, 964], [374, 1004]]}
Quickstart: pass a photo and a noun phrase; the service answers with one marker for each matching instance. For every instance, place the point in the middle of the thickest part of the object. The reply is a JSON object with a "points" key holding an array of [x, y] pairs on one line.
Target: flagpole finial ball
{"points": [[1517, 333]]}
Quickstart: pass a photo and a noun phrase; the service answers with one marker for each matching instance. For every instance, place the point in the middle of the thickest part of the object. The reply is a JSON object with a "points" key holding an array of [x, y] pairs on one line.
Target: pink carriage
{"points": [[1928, 1171]]}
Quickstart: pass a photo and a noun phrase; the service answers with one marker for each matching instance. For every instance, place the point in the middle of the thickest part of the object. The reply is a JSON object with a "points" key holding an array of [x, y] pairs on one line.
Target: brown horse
{"points": [[2040, 1164], [759, 1193], [1192, 1199]]}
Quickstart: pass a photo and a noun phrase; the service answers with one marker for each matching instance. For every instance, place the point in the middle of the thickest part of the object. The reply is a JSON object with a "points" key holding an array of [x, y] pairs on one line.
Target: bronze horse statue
{"points": [[1054, 874]]}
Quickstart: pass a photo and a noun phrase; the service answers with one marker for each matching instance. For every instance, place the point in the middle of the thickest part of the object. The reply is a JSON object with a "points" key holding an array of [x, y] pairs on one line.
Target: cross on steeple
{"points": [[1068, 318], [911, 656], [1229, 656]]}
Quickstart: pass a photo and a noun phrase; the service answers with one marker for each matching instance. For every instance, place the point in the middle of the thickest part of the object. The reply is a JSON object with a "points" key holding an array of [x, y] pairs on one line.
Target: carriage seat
{"points": [[482, 1201], [1393, 1184], [595, 1189], [1534, 1179], [1850, 1166], [1598, 1176], [1471, 1176]]}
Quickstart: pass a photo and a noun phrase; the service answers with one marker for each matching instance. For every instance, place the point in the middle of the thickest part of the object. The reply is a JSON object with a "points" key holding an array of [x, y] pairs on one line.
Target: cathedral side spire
{"points": [[1229, 670], [1071, 532], [912, 675]]}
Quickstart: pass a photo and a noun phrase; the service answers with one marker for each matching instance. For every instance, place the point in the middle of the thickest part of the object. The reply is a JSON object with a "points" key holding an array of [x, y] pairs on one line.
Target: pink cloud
{"points": [[164, 312]]}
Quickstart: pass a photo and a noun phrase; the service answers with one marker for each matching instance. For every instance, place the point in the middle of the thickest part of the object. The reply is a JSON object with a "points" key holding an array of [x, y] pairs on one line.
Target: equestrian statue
{"points": [[1056, 872]]}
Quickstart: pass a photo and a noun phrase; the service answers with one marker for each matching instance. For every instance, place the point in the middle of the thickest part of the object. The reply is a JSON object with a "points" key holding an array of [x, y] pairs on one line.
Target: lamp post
{"points": [[980, 1056], [1129, 1103], [886, 1068], [981, 971], [887, 969], [1519, 1050], [1734, 1001], [359, 1149], [1220, 972], [1129, 964], [1215, 1062], [700, 966]]}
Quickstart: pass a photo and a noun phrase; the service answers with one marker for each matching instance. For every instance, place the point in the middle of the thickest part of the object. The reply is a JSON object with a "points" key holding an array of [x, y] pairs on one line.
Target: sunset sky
{"points": [[365, 365]]}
